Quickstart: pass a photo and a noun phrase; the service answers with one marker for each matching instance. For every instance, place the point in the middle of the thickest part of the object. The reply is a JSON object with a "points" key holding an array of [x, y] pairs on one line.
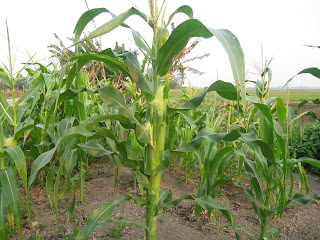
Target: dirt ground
{"points": [[298, 222]]}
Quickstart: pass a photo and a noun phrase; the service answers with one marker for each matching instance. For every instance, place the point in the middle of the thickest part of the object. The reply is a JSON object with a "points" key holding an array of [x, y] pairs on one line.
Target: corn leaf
{"points": [[19, 160], [236, 58], [224, 89], [176, 43], [110, 25], [95, 149], [4, 77], [281, 111], [304, 199], [313, 71], [308, 160], [98, 217], [86, 57], [92, 121], [10, 189], [37, 84], [3, 217], [6, 111], [136, 75], [183, 9], [114, 98], [85, 18]]}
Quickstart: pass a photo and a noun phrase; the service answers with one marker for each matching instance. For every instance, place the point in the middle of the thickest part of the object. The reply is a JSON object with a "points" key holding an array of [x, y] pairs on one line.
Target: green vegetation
{"points": [[223, 133], [306, 143], [295, 95]]}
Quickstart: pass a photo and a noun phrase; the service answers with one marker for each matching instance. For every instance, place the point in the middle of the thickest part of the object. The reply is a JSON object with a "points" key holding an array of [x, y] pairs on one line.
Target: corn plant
{"points": [[150, 125], [12, 157]]}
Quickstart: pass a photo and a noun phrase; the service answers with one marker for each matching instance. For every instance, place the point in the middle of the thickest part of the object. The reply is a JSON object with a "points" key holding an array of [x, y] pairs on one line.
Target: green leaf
{"points": [[308, 160], [40, 162], [114, 98], [1, 136], [128, 222], [136, 75], [110, 25], [304, 199], [139, 42], [85, 19], [23, 127], [214, 137], [6, 111], [71, 208], [236, 58], [281, 111], [98, 217], [35, 88], [92, 121], [224, 89], [49, 183], [19, 160], [45, 157], [4, 77], [206, 202], [112, 61], [177, 42], [94, 148], [313, 71], [183, 9], [10, 188], [3, 217], [209, 204]]}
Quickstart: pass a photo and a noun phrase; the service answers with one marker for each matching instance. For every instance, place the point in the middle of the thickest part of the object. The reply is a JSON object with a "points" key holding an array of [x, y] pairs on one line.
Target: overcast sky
{"points": [[281, 27]]}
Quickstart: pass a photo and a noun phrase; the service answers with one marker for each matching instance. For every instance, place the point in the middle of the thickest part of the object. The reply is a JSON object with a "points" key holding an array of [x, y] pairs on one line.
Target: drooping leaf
{"points": [[304, 199], [224, 89], [206, 202], [85, 18], [177, 42], [236, 58], [10, 189], [114, 62], [6, 111], [183, 9], [112, 24], [3, 217], [209, 204], [137, 76], [95, 149], [37, 84], [19, 160], [308, 160], [4, 77], [313, 71], [92, 121], [98, 217], [114, 98], [40, 162]]}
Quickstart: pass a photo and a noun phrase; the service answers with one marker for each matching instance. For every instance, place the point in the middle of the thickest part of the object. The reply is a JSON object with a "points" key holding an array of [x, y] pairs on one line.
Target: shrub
{"points": [[308, 145]]}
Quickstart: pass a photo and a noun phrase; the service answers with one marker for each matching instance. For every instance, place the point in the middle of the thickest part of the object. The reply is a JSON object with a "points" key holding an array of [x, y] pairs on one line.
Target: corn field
{"points": [[54, 132]]}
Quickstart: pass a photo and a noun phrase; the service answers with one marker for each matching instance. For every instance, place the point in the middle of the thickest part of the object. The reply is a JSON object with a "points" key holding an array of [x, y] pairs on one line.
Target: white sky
{"points": [[281, 27]]}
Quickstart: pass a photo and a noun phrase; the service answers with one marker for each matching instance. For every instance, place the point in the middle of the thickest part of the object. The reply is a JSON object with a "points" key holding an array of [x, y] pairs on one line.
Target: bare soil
{"points": [[307, 107], [298, 222]]}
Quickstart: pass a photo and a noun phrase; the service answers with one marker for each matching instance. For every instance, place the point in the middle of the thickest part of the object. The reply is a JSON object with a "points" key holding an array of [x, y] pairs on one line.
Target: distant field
{"points": [[295, 95]]}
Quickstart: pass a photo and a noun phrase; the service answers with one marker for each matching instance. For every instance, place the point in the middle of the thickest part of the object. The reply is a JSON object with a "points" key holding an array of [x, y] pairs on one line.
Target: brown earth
{"points": [[298, 222], [307, 107]]}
